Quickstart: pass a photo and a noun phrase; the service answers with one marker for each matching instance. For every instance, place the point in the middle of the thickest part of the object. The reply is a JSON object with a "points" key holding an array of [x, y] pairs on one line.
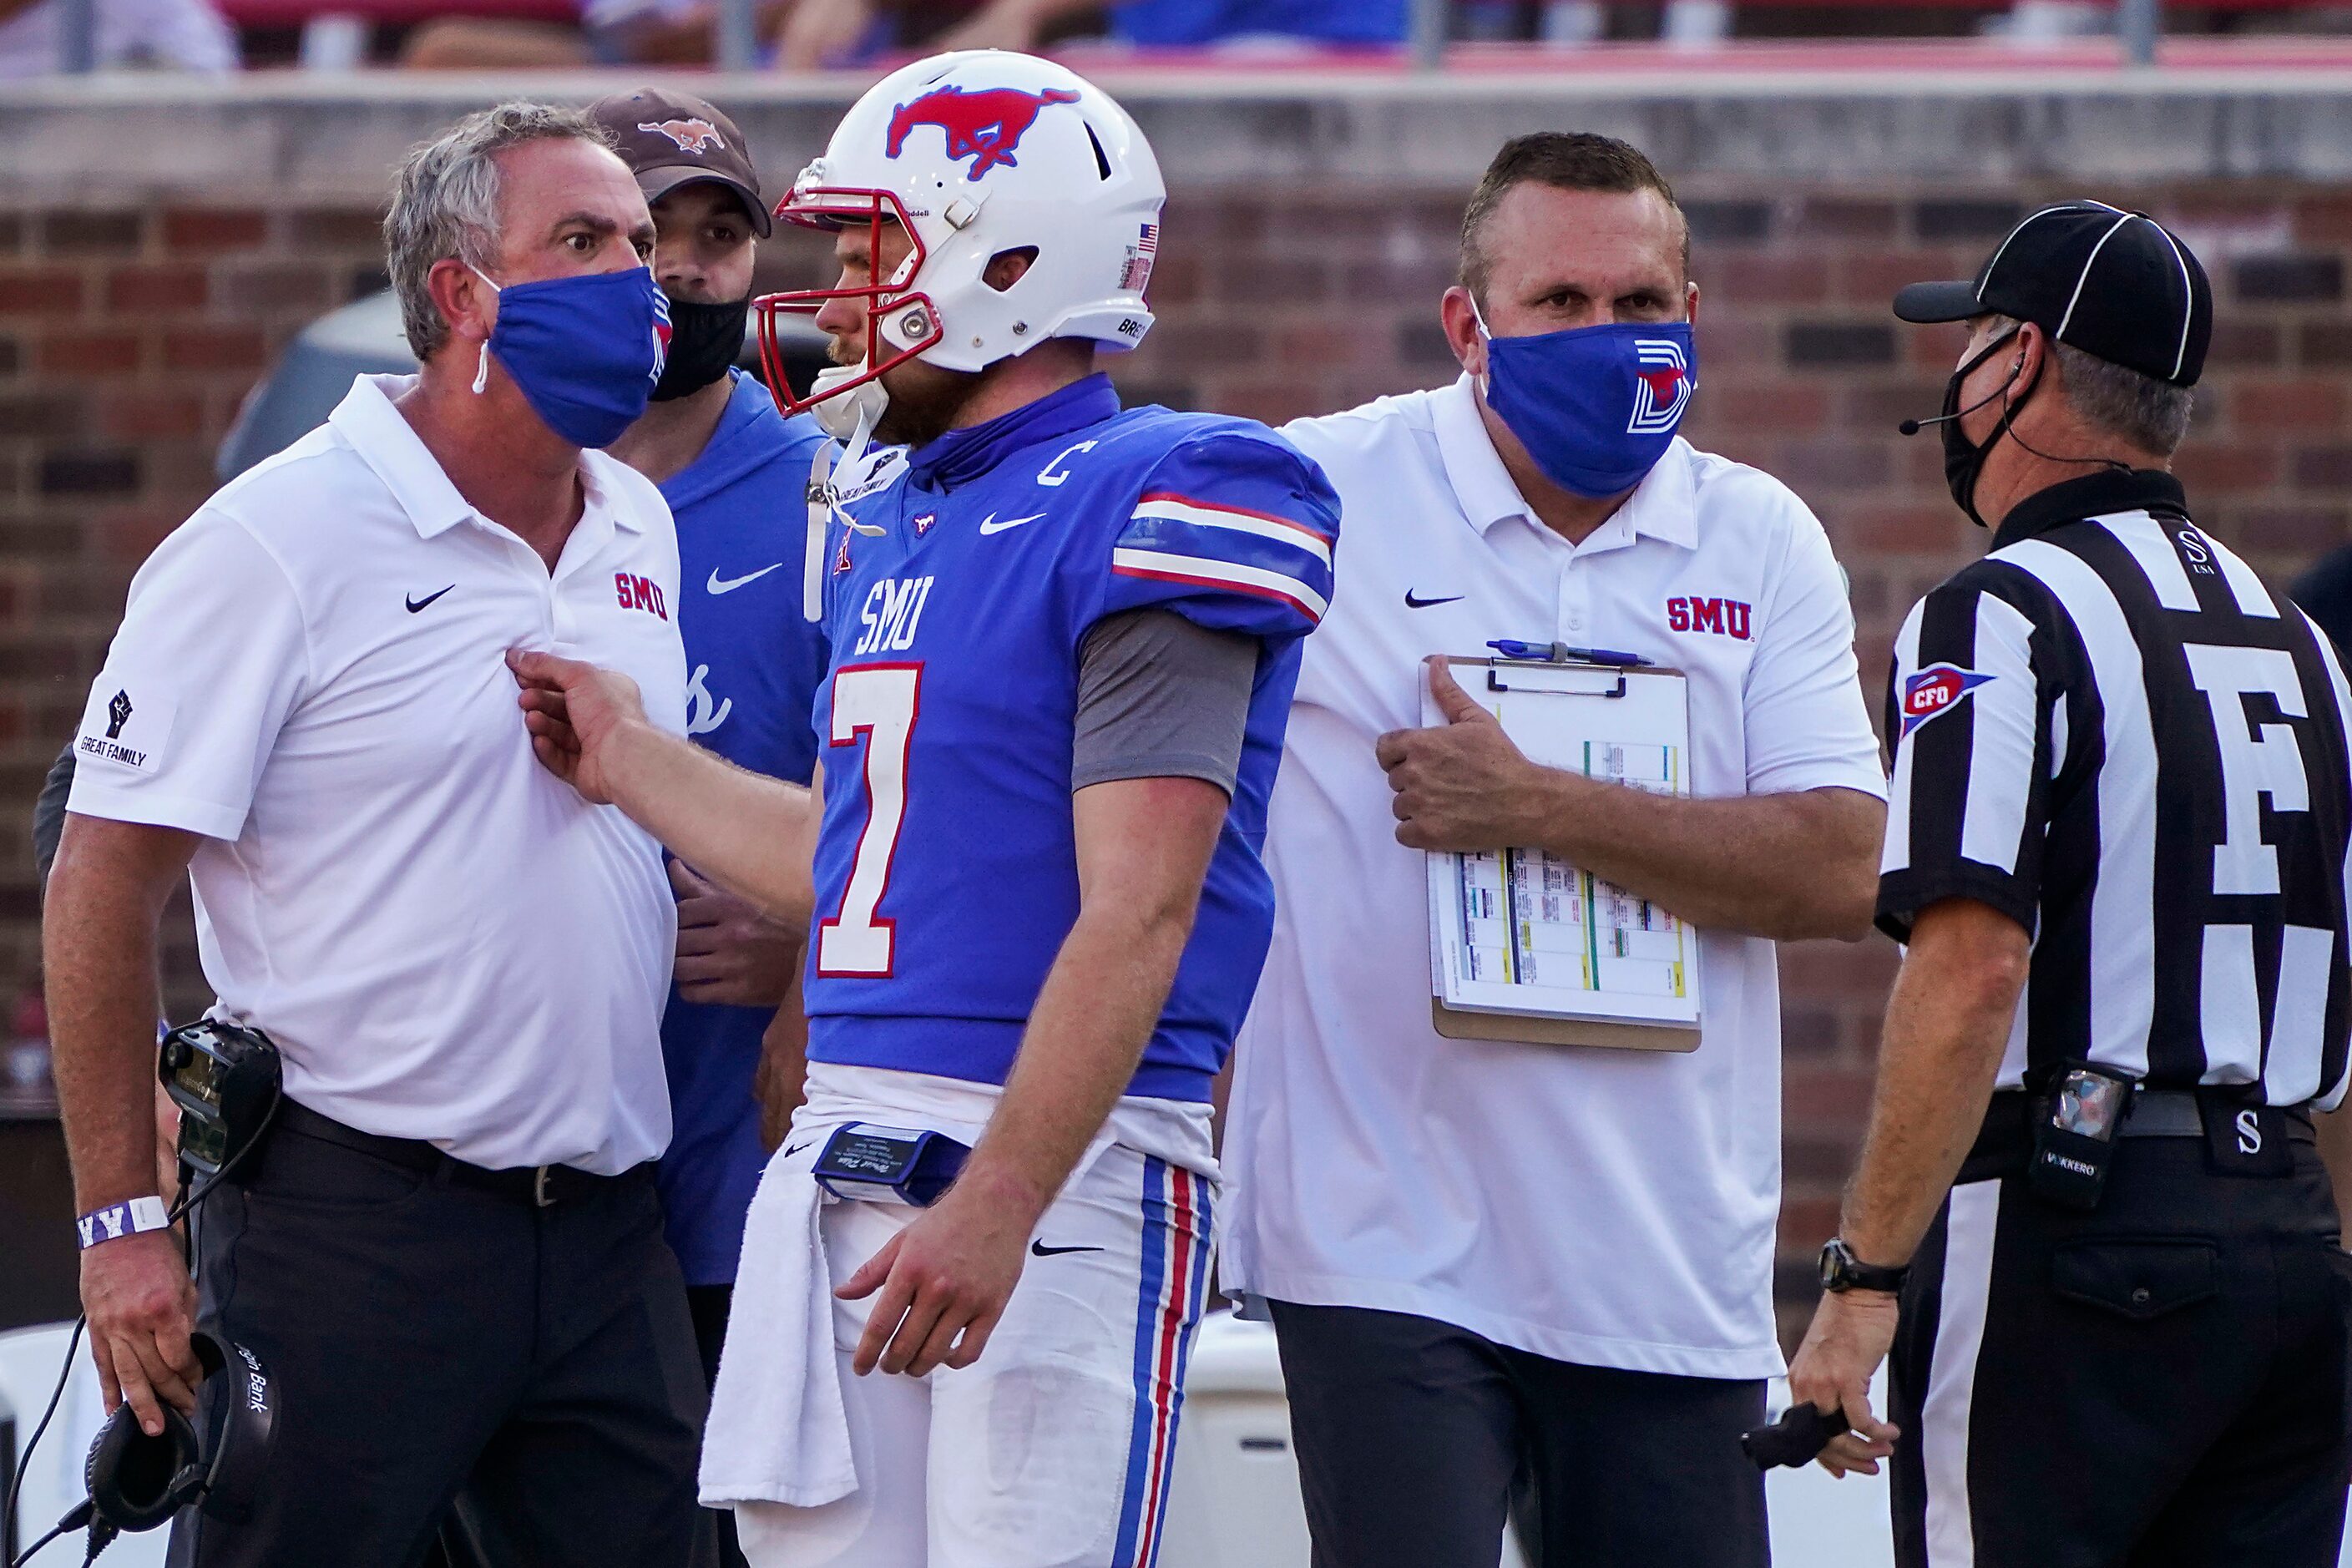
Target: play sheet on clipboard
{"points": [[1524, 945]]}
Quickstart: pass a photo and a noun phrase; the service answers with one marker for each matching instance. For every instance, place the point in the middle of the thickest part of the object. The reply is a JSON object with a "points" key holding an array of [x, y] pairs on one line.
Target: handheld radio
{"points": [[225, 1078]]}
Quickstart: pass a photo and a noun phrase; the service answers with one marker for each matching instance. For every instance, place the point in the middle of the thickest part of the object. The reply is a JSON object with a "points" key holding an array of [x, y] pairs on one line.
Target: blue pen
{"points": [[1561, 653]]}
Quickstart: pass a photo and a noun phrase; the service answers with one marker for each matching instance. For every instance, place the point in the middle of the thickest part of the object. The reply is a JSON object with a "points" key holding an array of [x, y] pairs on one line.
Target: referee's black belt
{"points": [[2004, 1144], [542, 1186]]}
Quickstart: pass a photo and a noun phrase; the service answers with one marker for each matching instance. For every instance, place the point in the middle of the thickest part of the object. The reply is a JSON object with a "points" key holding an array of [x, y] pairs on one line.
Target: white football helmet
{"points": [[975, 153]]}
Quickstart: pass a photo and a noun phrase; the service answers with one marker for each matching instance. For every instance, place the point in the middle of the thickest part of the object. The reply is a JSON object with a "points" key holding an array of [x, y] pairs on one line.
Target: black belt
{"points": [[2005, 1142], [542, 1186]]}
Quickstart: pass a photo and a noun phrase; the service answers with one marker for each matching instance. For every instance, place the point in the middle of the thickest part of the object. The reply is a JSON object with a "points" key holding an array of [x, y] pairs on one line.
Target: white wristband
{"points": [[122, 1219]]}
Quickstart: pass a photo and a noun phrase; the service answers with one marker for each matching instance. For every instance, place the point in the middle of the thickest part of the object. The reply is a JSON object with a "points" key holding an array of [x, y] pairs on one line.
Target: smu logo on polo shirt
{"points": [[637, 593], [1934, 691], [1725, 617]]}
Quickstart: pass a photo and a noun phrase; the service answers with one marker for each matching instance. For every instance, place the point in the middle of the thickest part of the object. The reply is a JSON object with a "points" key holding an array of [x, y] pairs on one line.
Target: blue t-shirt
{"points": [[946, 868], [753, 662], [1178, 22]]}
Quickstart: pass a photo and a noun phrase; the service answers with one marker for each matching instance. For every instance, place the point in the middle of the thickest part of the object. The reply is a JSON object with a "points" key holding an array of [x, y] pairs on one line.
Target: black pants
{"points": [[1411, 1432], [2158, 1383], [437, 1345], [710, 1305]]}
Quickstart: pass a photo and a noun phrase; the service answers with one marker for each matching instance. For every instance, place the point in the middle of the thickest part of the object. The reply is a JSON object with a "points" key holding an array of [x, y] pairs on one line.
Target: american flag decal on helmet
{"points": [[1138, 270]]}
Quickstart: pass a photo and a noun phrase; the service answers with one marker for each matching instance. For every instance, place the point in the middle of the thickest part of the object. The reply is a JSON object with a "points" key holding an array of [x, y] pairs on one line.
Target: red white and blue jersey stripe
{"points": [[946, 864], [1218, 533], [1174, 1287], [1177, 538]]}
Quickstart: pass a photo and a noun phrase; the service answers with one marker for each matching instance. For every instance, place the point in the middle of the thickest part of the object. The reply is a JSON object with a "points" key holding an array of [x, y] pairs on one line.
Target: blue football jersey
{"points": [[754, 663], [945, 870]]}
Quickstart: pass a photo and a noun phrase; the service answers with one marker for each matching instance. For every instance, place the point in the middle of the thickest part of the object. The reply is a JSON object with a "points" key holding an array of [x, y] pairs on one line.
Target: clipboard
{"points": [[1524, 947]]}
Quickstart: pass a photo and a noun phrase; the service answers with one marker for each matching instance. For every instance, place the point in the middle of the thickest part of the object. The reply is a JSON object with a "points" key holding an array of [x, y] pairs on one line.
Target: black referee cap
{"points": [[2117, 285]]}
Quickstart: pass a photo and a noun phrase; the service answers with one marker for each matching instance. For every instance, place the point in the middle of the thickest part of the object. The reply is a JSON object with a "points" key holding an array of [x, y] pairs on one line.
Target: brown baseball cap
{"points": [[673, 139]]}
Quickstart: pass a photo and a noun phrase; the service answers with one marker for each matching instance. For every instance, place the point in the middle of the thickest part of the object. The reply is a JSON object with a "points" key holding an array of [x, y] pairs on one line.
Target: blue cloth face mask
{"points": [[585, 350], [1596, 407]]}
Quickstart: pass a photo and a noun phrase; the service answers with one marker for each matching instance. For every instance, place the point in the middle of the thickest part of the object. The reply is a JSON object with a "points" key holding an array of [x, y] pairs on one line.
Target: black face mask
{"points": [[704, 341], [1965, 459]]}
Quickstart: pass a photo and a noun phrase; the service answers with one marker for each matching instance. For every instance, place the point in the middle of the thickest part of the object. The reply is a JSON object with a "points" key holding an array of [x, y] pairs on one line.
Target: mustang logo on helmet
{"points": [[1081, 192], [986, 126]]}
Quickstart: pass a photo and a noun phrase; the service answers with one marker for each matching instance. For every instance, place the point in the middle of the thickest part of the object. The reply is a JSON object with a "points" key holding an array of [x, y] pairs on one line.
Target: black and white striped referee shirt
{"points": [[2111, 731]]}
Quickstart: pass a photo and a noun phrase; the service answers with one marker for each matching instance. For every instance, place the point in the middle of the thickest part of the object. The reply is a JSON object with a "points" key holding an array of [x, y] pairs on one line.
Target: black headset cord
{"points": [[102, 1533]]}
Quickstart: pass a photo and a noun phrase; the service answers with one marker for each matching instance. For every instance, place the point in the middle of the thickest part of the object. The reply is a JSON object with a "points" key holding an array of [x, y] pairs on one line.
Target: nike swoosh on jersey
{"points": [[1413, 603], [1039, 1250], [415, 604], [718, 584], [993, 526]]}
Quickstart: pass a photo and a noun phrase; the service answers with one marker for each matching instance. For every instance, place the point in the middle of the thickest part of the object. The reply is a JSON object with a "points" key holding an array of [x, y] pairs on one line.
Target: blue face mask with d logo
{"points": [[585, 350], [1596, 407]]}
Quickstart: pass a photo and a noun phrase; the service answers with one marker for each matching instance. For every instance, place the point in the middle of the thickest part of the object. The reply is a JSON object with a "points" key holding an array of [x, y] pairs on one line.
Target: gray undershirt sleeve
{"points": [[50, 814], [1160, 697]]}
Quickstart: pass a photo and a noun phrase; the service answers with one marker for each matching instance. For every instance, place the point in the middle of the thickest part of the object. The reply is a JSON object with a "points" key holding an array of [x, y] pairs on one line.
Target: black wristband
{"points": [[1842, 1271]]}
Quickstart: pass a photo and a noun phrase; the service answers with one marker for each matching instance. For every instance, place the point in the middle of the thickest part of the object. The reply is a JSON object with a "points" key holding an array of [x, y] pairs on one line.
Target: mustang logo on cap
{"points": [[986, 126], [695, 136]]}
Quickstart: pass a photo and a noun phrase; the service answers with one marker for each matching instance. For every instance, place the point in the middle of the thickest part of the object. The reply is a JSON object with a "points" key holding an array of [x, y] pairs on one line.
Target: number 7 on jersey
{"points": [[880, 701]]}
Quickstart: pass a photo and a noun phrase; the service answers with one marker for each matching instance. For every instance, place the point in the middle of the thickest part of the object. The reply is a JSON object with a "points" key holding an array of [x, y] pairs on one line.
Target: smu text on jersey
{"points": [[892, 610]]}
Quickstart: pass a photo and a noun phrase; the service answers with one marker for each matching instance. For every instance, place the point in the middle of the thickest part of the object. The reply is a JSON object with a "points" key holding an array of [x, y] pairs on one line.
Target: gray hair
{"points": [[445, 203], [2152, 414]]}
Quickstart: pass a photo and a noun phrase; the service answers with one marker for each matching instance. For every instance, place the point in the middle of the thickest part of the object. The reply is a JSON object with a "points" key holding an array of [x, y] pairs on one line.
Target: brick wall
{"points": [[1274, 307], [128, 335]]}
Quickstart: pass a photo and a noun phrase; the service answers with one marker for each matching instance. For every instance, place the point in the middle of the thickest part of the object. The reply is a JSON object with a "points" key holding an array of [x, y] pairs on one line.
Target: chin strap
{"points": [[820, 510], [853, 456], [825, 507]]}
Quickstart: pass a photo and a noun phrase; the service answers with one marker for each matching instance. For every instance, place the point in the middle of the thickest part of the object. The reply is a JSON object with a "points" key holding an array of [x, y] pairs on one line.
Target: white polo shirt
{"points": [[1609, 1207], [445, 940]]}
